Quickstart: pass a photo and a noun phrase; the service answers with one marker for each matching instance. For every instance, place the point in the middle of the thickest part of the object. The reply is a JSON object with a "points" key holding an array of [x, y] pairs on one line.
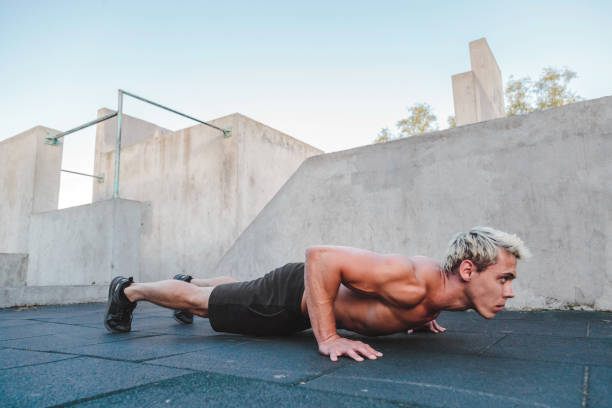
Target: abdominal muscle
{"points": [[371, 316]]}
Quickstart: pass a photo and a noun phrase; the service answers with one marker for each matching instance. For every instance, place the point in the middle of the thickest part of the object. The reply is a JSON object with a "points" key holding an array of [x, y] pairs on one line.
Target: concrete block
{"points": [[133, 130], [464, 98], [29, 182], [201, 190], [85, 245], [13, 269], [544, 176], [490, 98], [478, 95]]}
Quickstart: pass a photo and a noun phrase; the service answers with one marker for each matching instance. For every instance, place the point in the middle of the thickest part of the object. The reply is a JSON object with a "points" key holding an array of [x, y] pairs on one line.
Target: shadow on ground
{"points": [[63, 356]]}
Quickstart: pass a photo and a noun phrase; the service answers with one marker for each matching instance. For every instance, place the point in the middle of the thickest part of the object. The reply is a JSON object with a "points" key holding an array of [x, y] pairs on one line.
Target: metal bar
{"points": [[226, 132], [100, 178], [118, 142], [53, 139]]}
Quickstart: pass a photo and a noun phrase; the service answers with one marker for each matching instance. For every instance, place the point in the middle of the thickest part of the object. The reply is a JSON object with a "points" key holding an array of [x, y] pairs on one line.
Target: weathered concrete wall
{"points": [[478, 94], [201, 190], [11, 296], [133, 130], [29, 182], [13, 269], [85, 245], [545, 176]]}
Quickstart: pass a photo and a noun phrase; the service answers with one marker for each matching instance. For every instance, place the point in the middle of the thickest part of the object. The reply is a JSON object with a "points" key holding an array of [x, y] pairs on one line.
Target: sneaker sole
{"points": [[108, 303], [181, 321]]}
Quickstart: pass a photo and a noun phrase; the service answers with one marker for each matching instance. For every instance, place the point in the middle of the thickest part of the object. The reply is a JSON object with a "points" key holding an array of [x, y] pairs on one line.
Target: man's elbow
{"points": [[313, 253]]}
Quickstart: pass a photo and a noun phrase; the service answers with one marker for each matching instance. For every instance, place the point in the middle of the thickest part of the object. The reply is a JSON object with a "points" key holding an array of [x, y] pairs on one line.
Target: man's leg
{"points": [[213, 281], [172, 294], [185, 316]]}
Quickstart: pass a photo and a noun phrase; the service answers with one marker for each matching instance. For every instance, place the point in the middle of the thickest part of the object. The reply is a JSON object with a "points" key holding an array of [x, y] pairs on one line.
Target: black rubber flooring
{"points": [[63, 356]]}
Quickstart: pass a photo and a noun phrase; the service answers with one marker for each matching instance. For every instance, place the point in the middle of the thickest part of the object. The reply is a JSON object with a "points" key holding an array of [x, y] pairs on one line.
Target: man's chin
{"points": [[486, 314]]}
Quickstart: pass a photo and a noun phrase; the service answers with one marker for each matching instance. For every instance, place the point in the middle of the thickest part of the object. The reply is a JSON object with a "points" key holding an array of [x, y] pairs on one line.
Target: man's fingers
{"points": [[373, 352], [356, 350], [353, 354], [440, 328], [367, 352]]}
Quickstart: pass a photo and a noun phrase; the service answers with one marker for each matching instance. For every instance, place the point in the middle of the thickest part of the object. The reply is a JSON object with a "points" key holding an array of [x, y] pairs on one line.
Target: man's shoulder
{"points": [[404, 284], [413, 264]]}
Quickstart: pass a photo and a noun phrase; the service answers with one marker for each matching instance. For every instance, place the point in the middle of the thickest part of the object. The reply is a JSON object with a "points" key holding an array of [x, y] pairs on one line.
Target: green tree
{"points": [[549, 91], [552, 88], [518, 96], [452, 122], [383, 136], [421, 120]]}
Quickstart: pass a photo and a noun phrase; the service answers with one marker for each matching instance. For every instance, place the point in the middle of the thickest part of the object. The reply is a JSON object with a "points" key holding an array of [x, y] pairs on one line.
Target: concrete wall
{"points": [[13, 269], [133, 131], [29, 182], [478, 94], [11, 296], [85, 245], [201, 190], [545, 176]]}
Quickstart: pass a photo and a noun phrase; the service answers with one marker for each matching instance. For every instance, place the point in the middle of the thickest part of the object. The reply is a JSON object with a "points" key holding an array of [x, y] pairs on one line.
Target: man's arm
{"points": [[388, 277]]}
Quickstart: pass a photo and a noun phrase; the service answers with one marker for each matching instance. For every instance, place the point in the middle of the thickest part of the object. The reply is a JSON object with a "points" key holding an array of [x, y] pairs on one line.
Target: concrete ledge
{"points": [[13, 269], [11, 296]]}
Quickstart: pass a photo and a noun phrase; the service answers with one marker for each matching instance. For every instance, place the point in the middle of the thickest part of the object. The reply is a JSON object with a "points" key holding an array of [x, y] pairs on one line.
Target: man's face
{"points": [[490, 288]]}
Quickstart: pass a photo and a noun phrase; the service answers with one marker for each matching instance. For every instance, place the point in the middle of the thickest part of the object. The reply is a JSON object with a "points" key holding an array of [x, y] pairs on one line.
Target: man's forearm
{"points": [[322, 282]]}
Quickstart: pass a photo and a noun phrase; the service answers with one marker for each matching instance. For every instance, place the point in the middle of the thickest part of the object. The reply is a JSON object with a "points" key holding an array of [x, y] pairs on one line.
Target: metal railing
{"points": [[54, 139]]}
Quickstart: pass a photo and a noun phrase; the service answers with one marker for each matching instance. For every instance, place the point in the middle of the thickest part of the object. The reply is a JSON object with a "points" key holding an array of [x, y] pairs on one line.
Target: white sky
{"points": [[330, 75]]}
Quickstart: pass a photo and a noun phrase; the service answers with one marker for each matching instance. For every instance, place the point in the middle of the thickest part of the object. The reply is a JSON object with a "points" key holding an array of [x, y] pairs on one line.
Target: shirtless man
{"points": [[340, 287]]}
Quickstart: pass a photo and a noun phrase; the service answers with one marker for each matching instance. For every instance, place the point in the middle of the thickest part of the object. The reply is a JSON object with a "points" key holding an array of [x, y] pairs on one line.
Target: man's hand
{"points": [[429, 327], [339, 346]]}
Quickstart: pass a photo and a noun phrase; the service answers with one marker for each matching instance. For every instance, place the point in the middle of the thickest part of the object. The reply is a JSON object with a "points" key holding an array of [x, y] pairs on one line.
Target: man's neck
{"points": [[451, 294]]}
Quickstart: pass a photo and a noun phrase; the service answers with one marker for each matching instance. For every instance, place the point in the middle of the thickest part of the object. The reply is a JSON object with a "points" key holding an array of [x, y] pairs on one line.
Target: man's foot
{"points": [[118, 318], [183, 316]]}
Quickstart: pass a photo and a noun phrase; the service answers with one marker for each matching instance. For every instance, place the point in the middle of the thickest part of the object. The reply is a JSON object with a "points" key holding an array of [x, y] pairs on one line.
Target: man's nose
{"points": [[509, 293]]}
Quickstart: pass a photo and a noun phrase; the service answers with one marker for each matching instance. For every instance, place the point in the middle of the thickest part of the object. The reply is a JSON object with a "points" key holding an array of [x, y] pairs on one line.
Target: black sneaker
{"points": [[183, 316], [118, 318]]}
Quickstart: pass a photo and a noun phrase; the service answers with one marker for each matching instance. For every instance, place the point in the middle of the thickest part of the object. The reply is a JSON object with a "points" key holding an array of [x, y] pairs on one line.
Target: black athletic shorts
{"points": [[268, 306]]}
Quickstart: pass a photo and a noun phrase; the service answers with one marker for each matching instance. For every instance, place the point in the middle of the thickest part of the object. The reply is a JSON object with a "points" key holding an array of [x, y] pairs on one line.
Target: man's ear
{"points": [[467, 269]]}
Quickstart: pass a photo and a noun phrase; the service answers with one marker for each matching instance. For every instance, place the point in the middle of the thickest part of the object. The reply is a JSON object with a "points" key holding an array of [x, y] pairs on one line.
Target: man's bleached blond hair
{"points": [[481, 246]]}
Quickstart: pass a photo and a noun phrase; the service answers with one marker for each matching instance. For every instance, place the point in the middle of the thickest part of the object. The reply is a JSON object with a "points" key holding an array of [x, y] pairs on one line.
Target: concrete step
{"points": [[12, 296]]}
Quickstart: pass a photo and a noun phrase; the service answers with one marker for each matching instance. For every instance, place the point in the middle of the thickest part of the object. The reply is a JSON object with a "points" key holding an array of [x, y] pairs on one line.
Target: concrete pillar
{"points": [[478, 94], [29, 182], [133, 131]]}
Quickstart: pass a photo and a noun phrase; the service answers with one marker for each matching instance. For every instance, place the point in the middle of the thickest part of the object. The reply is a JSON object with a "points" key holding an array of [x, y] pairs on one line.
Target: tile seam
{"points": [[585, 387]]}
